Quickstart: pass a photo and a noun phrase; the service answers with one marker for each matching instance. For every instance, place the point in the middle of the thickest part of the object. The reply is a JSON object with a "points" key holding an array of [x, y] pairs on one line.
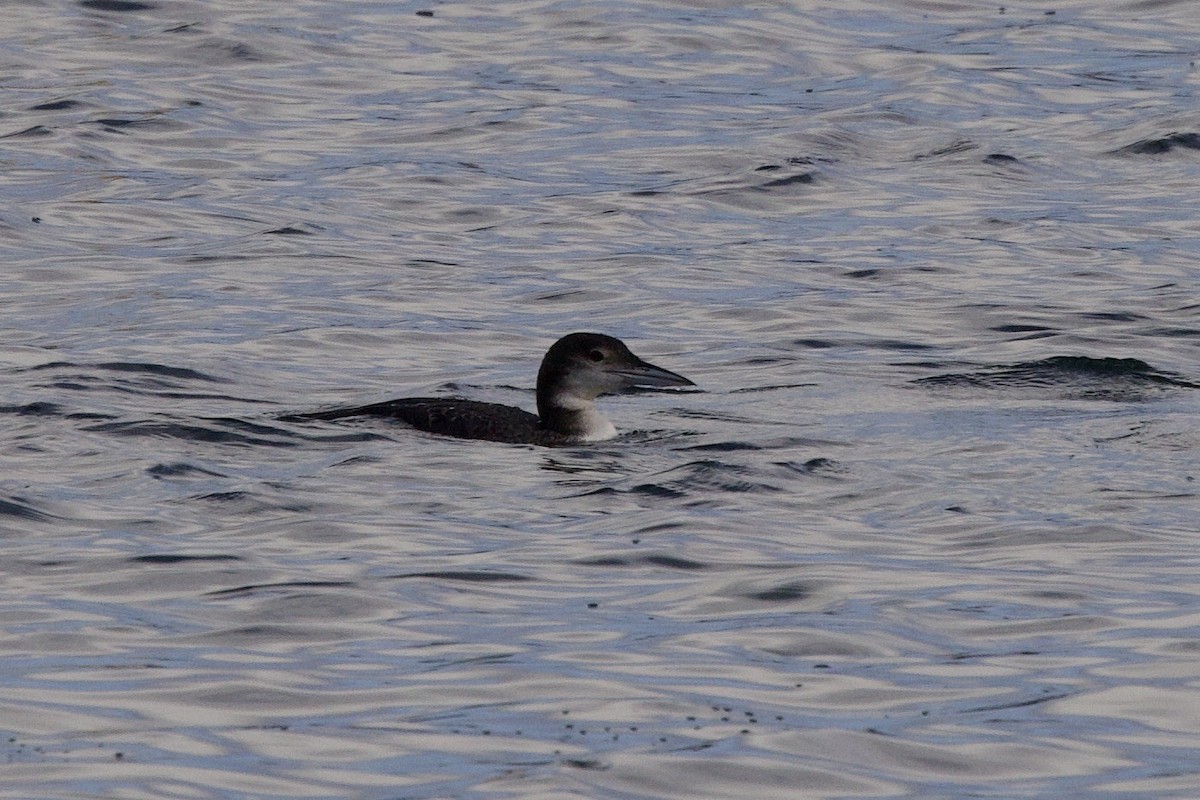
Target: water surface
{"points": [[929, 530]]}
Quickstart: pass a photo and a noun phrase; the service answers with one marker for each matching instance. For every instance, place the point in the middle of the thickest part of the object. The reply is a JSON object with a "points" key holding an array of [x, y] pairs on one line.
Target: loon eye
{"points": [[596, 356]]}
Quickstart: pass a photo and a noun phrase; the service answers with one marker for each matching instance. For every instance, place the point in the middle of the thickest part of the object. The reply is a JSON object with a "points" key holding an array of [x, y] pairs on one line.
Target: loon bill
{"points": [[576, 370]]}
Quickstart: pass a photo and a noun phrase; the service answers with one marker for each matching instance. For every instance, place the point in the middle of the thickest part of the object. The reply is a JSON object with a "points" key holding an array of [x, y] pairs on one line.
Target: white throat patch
{"points": [[594, 427]]}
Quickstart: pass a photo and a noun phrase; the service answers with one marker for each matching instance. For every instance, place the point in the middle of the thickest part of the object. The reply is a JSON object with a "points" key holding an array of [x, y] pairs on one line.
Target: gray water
{"points": [[929, 530]]}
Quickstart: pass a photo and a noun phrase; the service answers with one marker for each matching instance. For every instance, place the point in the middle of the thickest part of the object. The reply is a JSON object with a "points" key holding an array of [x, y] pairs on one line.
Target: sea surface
{"points": [[928, 528]]}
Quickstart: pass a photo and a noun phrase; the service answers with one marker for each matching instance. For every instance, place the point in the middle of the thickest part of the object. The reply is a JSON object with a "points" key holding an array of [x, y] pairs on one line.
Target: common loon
{"points": [[576, 370]]}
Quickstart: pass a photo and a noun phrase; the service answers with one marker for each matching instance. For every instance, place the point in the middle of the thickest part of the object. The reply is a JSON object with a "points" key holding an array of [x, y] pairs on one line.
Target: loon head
{"points": [[580, 367]]}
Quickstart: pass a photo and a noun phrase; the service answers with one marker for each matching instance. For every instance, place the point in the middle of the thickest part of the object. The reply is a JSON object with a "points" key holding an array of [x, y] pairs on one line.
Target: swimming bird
{"points": [[576, 370]]}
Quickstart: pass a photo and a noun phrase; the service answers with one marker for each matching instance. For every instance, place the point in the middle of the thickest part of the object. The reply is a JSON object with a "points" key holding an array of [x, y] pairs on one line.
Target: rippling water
{"points": [[930, 530]]}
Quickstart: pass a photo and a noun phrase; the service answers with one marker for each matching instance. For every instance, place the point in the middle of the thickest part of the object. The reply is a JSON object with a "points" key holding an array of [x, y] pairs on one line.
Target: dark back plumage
{"points": [[449, 416]]}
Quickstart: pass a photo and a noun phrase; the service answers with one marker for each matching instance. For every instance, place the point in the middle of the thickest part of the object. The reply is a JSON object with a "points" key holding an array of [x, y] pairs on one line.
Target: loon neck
{"points": [[574, 417]]}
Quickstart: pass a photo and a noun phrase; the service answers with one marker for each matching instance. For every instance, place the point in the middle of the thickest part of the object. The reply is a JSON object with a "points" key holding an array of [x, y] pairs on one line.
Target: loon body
{"points": [[576, 370]]}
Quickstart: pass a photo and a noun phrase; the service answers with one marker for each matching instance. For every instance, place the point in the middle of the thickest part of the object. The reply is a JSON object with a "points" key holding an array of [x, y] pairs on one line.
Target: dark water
{"points": [[930, 530]]}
